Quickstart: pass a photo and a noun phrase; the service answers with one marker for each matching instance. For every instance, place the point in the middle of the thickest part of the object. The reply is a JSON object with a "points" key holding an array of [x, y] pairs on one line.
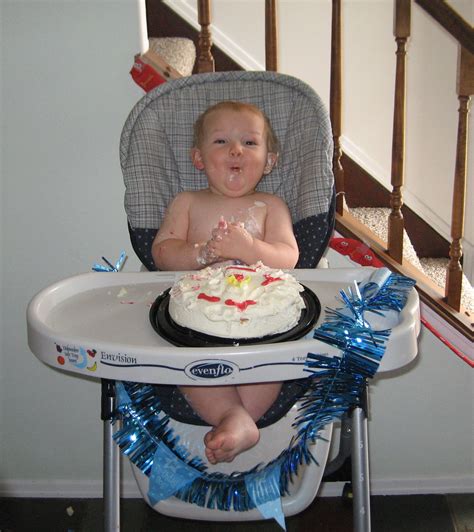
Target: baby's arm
{"points": [[171, 249], [278, 249]]}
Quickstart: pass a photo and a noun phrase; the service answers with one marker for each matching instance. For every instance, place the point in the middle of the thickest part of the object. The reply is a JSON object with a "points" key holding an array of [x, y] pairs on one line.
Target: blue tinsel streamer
{"points": [[110, 267], [336, 386]]}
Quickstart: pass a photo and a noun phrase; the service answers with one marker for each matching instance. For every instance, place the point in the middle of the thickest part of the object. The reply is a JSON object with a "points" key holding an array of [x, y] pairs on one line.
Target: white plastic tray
{"points": [[97, 324]]}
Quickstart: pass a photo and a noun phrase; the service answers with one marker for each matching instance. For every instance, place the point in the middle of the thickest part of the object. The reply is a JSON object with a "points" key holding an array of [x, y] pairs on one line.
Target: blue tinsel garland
{"points": [[336, 386]]}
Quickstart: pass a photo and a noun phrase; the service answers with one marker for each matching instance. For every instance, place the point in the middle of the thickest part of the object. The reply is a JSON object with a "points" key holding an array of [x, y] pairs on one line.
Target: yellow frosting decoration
{"points": [[237, 279]]}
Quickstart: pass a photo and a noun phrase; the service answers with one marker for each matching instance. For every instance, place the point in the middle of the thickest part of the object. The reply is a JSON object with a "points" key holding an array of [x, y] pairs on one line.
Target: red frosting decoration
{"points": [[269, 279], [242, 305], [240, 268], [211, 299]]}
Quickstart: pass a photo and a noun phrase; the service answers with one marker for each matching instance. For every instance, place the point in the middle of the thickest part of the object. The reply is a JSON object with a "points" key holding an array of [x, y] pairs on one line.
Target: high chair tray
{"points": [[97, 324]]}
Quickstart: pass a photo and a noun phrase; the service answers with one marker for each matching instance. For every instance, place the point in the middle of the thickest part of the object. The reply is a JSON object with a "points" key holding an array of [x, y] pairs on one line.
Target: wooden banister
{"points": [[451, 21], [205, 61], [335, 103], [271, 36], [465, 88], [402, 24]]}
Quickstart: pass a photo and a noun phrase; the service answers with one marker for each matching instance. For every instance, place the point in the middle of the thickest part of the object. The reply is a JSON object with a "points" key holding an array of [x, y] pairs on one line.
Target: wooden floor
{"points": [[414, 513]]}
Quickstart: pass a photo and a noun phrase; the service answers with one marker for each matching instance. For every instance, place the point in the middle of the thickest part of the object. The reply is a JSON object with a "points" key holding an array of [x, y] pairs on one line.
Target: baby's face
{"points": [[233, 152]]}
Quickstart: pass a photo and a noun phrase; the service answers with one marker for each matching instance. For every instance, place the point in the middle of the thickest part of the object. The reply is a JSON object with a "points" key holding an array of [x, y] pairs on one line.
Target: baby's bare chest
{"points": [[205, 216]]}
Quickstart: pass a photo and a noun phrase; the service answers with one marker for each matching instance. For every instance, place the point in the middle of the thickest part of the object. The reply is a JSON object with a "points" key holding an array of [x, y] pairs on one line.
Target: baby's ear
{"points": [[197, 159], [271, 161]]}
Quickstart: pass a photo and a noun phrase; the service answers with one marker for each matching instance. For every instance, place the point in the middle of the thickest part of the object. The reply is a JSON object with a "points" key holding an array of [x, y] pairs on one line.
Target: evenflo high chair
{"points": [[353, 317]]}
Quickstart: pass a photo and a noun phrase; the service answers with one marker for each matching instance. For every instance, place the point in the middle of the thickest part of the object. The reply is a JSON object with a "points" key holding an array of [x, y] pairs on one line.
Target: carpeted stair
{"points": [[434, 268], [178, 52]]}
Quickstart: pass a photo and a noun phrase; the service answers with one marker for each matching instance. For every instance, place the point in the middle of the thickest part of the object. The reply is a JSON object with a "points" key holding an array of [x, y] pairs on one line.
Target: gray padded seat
{"points": [[156, 165]]}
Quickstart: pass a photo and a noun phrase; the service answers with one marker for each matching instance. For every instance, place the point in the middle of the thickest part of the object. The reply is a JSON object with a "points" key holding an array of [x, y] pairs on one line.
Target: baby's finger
{"points": [[216, 235], [222, 223]]}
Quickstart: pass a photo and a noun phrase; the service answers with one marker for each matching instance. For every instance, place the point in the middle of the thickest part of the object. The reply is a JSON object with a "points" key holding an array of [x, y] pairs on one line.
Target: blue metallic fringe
{"points": [[110, 267], [336, 386]]}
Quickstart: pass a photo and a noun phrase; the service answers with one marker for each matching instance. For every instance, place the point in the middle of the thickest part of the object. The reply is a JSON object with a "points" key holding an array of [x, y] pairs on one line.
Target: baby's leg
{"points": [[225, 408], [234, 429], [258, 398]]}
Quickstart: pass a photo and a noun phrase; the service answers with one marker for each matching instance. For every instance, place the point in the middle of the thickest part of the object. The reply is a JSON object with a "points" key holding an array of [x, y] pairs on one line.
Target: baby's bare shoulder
{"points": [[271, 200], [186, 195], [185, 199]]}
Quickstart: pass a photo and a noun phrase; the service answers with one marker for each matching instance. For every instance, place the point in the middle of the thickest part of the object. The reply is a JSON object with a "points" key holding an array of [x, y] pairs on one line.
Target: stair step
{"points": [[178, 52], [435, 268], [376, 219]]}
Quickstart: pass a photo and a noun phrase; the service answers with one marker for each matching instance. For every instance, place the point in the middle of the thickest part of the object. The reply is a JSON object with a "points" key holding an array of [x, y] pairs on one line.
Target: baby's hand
{"points": [[220, 230], [206, 255], [231, 243]]}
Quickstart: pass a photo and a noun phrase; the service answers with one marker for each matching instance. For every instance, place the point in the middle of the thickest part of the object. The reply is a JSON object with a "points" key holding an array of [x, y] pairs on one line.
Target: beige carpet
{"points": [[436, 270], [180, 53]]}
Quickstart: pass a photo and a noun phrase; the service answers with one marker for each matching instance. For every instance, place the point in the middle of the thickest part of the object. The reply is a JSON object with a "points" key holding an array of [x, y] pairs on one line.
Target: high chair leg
{"points": [[111, 467], [360, 468]]}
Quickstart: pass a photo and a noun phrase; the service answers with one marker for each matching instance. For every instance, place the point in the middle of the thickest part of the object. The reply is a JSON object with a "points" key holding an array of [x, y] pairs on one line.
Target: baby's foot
{"points": [[236, 433]]}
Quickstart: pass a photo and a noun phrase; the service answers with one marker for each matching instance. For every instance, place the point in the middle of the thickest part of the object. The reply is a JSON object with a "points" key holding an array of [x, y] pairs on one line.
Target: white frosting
{"points": [[237, 301]]}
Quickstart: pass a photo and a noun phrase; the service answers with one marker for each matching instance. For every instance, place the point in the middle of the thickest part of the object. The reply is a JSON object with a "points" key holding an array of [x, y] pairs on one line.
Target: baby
{"points": [[235, 146]]}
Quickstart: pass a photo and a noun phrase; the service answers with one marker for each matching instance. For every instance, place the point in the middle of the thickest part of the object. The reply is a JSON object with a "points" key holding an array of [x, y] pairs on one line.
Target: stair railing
{"points": [[449, 19], [392, 251]]}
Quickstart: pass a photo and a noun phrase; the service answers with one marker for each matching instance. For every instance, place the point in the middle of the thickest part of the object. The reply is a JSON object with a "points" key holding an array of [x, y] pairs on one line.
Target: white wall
{"points": [[421, 426], [368, 85], [65, 96], [66, 92]]}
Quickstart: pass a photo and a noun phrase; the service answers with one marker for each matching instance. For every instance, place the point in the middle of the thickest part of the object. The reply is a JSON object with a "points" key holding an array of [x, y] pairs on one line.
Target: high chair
{"points": [[155, 158], [154, 152]]}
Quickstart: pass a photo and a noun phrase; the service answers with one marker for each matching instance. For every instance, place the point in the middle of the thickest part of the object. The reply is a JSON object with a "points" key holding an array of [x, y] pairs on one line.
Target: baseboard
{"points": [[84, 489], [412, 486], [51, 489]]}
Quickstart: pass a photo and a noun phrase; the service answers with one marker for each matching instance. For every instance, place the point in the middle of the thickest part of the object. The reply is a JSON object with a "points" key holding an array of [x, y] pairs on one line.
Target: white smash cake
{"points": [[237, 301]]}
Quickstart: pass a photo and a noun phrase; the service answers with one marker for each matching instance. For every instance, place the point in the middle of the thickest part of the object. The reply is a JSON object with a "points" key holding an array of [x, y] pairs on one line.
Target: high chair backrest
{"points": [[157, 138]]}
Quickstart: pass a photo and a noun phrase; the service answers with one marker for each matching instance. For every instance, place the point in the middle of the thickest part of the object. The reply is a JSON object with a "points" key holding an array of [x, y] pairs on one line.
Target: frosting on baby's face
{"points": [[233, 152]]}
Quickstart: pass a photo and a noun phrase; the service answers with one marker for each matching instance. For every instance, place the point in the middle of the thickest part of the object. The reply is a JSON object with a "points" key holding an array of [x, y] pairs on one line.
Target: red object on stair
{"points": [[145, 75], [356, 251], [149, 70]]}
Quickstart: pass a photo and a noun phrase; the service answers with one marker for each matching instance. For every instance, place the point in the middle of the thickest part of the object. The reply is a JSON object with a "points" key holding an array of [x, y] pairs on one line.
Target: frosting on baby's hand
{"points": [[206, 255], [209, 252]]}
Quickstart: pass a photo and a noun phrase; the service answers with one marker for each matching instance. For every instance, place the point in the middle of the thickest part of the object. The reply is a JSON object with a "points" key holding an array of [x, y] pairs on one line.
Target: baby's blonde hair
{"points": [[272, 141]]}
